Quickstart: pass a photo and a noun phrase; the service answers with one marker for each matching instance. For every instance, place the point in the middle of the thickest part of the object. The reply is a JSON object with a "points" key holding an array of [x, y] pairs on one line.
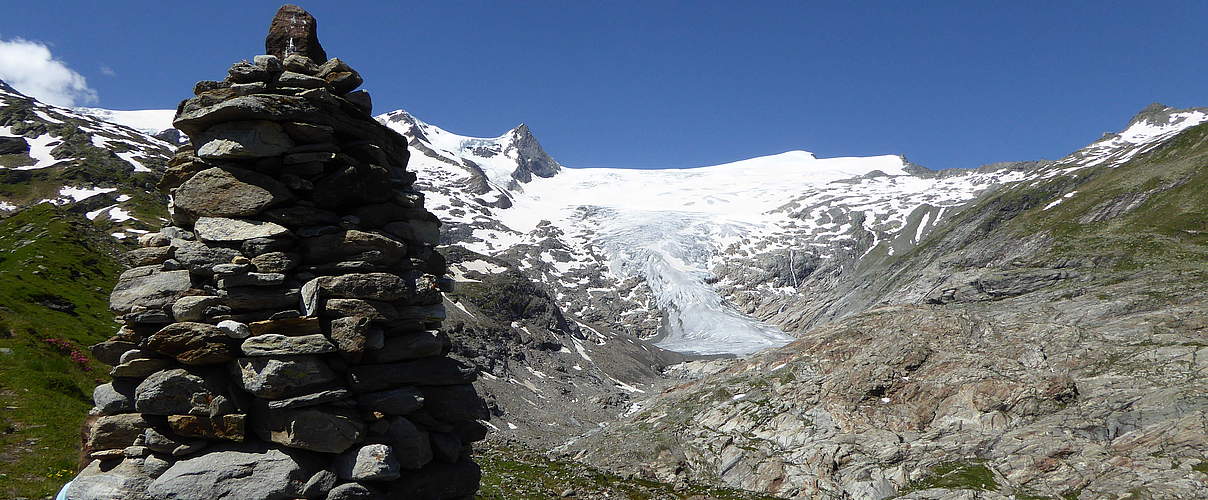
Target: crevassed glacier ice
{"points": [[671, 250]]}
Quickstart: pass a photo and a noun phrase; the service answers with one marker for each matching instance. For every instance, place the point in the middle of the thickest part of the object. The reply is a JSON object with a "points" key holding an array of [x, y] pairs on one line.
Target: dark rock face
{"points": [[279, 312], [294, 31], [11, 145]]}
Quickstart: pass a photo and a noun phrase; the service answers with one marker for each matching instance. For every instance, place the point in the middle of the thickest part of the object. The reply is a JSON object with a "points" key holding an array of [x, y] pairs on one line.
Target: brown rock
{"points": [[350, 336], [116, 431], [290, 326], [294, 31], [193, 343], [229, 427]]}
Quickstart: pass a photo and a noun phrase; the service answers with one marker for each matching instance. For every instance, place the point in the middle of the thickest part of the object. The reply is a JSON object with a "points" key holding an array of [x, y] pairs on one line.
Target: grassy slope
{"points": [[55, 273], [1166, 232]]}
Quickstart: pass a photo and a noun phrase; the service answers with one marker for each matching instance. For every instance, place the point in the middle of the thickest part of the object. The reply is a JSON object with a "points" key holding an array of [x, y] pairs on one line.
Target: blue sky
{"points": [[656, 84]]}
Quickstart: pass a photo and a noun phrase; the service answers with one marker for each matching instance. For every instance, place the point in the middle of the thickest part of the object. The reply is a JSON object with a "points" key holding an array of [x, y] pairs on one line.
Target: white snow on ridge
{"points": [[1140, 136], [148, 121], [77, 194]]}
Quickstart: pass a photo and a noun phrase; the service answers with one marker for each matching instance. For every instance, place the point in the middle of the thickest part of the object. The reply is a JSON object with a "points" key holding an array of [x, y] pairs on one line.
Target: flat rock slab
{"points": [[283, 345], [235, 472], [245, 139], [221, 229], [372, 286], [148, 287]]}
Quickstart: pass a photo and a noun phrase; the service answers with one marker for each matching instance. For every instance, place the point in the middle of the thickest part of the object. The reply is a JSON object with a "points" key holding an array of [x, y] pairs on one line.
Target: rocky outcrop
{"points": [[233, 378]]}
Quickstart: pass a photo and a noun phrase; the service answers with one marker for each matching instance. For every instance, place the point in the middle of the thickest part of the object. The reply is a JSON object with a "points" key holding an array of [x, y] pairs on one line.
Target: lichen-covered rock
{"points": [[230, 427]]}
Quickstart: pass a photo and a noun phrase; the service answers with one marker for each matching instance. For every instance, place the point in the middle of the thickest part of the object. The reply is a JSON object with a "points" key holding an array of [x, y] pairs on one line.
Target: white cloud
{"points": [[31, 69]]}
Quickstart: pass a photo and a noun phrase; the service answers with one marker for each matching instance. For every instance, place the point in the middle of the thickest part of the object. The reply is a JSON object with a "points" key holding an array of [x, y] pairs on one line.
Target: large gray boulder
{"points": [[12, 145], [147, 287], [128, 480], [200, 258], [235, 472], [116, 431], [179, 392], [229, 192]]}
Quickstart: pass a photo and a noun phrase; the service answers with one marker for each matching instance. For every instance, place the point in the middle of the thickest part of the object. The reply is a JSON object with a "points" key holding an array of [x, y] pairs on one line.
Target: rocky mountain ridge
{"points": [[1047, 341]]}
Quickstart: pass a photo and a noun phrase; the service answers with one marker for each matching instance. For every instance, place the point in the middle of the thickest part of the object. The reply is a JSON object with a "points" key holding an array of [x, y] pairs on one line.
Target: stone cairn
{"points": [[280, 338]]}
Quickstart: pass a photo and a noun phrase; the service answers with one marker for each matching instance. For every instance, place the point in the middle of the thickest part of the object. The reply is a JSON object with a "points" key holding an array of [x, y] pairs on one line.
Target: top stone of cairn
{"points": [[294, 31]]}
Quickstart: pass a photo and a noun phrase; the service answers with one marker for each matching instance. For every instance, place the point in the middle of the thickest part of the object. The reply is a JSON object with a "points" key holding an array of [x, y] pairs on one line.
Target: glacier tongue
{"points": [[671, 250]]}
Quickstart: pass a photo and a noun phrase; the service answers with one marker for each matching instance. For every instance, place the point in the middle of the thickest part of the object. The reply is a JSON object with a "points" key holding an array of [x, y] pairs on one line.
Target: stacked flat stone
{"points": [[280, 339]]}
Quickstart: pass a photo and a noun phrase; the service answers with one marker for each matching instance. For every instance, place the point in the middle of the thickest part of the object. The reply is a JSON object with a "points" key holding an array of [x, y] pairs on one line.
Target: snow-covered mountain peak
{"points": [[506, 161]]}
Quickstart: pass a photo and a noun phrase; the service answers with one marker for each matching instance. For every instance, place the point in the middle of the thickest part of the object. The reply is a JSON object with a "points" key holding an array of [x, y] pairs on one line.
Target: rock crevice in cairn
{"points": [[247, 365]]}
